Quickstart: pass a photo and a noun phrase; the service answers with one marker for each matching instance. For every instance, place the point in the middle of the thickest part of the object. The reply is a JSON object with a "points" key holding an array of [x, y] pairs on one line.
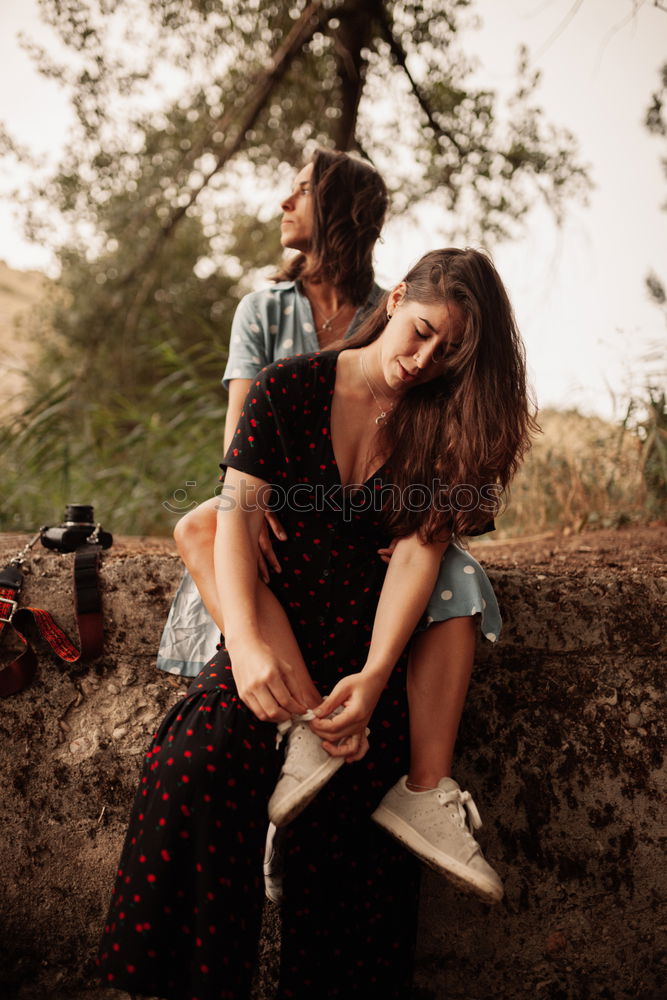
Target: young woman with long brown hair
{"points": [[332, 218], [329, 630]]}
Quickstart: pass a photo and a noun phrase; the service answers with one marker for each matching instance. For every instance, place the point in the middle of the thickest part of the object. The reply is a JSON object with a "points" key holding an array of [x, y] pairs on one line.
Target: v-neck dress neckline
{"points": [[377, 472]]}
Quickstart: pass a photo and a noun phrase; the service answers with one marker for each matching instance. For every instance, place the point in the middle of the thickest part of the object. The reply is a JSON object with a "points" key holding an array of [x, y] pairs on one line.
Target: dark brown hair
{"points": [[470, 426], [349, 205]]}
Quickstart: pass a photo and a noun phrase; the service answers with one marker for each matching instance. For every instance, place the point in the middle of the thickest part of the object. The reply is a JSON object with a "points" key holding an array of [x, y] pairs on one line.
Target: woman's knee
{"points": [[196, 528]]}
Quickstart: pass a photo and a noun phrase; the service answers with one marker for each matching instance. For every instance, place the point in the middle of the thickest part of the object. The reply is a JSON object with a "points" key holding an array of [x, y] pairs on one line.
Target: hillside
{"points": [[19, 291]]}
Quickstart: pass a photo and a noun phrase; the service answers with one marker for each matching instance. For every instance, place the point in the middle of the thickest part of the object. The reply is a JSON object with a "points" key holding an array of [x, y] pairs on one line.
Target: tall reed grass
{"points": [[139, 462], [145, 463]]}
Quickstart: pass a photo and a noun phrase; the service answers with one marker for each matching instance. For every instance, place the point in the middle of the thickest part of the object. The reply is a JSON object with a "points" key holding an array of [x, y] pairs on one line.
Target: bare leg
{"points": [[194, 535], [439, 672], [441, 661]]}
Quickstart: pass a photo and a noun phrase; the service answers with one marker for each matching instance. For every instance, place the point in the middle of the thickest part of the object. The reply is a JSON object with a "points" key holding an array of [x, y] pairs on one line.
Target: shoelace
{"points": [[284, 727], [465, 807]]}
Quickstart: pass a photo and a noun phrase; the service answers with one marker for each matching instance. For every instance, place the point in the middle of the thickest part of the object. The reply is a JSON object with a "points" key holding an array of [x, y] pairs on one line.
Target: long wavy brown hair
{"points": [[471, 426], [349, 206]]}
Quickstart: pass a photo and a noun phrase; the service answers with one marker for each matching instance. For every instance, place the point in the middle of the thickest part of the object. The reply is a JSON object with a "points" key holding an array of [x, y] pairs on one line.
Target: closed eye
{"points": [[444, 351]]}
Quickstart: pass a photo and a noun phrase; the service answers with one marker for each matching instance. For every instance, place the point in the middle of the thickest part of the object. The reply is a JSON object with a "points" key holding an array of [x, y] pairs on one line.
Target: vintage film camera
{"points": [[77, 529]]}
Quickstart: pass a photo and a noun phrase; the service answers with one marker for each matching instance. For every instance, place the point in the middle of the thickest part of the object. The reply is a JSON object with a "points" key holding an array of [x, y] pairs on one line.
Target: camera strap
{"points": [[18, 674]]}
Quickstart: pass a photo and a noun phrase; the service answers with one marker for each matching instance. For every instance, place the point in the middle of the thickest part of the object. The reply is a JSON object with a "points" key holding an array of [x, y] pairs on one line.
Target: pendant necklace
{"points": [[329, 321], [383, 413]]}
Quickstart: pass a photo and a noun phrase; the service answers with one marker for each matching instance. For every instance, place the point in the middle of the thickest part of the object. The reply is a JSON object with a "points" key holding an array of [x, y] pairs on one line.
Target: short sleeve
{"points": [[247, 343], [258, 445]]}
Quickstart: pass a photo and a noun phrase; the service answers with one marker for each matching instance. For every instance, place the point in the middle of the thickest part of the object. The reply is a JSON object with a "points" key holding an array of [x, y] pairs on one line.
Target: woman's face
{"points": [[296, 227], [418, 340]]}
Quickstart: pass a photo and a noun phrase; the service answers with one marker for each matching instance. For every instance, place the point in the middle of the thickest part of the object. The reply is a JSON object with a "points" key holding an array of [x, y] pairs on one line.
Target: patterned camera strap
{"points": [[18, 674]]}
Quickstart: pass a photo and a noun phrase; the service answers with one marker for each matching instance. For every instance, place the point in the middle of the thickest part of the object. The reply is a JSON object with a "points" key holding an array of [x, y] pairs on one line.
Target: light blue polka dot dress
{"points": [[463, 589]]}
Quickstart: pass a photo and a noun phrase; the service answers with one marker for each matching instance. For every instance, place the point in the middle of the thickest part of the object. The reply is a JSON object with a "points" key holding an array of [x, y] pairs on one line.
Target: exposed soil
{"points": [[633, 549], [639, 549], [561, 743]]}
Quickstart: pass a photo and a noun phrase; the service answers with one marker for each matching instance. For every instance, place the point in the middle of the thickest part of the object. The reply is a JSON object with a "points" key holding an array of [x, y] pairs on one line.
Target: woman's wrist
{"points": [[245, 638], [377, 673]]}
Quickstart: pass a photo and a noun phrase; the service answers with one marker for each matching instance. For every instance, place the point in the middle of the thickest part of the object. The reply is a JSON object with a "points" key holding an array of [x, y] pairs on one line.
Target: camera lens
{"points": [[79, 513]]}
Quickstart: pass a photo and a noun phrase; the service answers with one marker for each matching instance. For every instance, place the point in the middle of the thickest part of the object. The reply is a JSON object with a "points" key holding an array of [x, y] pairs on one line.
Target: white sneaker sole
{"points": [[273, 889], [273, 868], [455, 871], [288, 806]]}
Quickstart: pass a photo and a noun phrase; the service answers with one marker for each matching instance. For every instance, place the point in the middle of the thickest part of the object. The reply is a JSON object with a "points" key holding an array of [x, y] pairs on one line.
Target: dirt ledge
{"points": [[561, 744]]}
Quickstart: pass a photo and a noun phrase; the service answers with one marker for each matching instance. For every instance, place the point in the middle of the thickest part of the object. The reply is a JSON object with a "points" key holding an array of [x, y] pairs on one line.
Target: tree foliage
{"points": [[188, 116], [389, 79]]}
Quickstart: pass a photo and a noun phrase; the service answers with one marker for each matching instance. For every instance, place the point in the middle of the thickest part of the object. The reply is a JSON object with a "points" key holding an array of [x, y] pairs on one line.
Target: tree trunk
{"points": [[350, 38]]}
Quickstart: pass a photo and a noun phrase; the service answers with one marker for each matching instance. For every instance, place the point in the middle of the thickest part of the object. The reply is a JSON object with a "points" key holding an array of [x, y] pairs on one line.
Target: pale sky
{"points": [[579, 291]]}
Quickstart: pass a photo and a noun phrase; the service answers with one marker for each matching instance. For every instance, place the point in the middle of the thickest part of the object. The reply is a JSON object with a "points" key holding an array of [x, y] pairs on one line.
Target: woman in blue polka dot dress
{"points": [[431, 388]]}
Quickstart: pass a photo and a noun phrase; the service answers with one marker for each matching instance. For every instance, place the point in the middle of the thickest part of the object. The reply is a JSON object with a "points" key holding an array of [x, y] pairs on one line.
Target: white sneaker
{"points": [[306, 769], [273, 866], [437, 826]]}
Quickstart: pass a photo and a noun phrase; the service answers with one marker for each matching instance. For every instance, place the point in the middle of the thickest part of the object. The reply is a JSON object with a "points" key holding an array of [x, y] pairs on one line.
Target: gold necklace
{"points": [[383, 413]]}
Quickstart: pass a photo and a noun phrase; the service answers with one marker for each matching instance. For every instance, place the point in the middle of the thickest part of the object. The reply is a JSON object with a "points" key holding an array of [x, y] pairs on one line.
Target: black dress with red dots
{"points": [[185, 915]]}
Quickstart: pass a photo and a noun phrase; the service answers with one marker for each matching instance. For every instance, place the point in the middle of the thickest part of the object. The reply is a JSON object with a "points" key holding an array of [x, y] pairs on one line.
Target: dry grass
{"points": [[582, 472], [19, 292]]}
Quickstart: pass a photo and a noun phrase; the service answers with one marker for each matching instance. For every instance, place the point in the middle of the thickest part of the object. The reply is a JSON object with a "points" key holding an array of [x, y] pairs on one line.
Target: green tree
{"points": [[183, 107]]}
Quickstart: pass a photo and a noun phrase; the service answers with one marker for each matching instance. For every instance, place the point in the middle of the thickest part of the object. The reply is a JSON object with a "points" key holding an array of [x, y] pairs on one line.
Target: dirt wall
{"points": [[561, 746]]}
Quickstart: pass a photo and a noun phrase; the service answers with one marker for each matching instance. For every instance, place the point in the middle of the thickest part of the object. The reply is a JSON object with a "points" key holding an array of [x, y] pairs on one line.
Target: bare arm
{"points": [[238, 390], [239, 519], [409, 583], [411, 576], [268, 684]]}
